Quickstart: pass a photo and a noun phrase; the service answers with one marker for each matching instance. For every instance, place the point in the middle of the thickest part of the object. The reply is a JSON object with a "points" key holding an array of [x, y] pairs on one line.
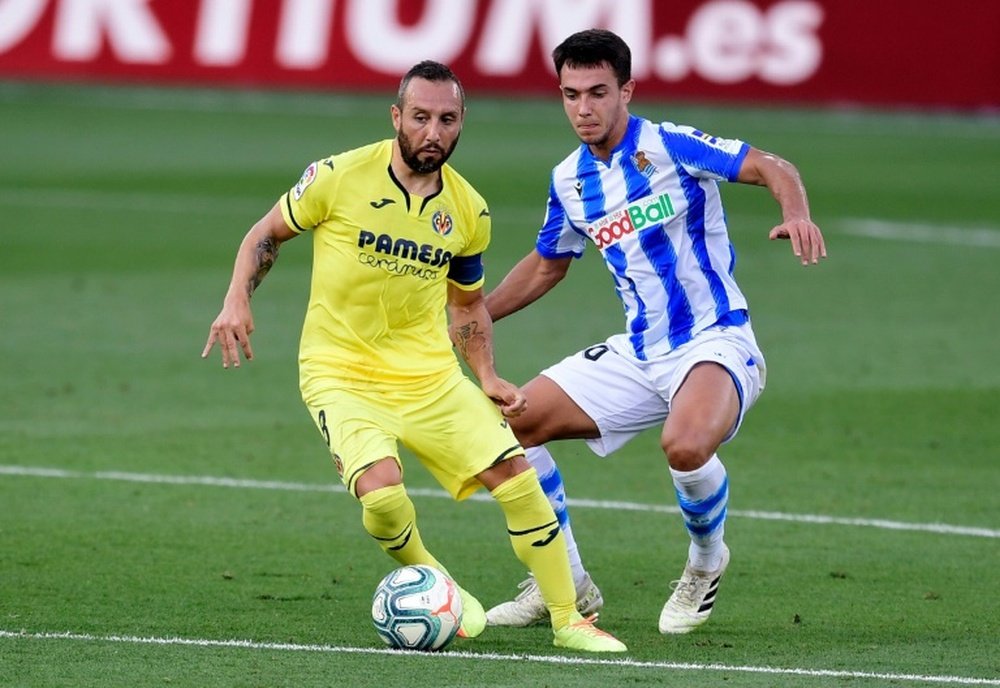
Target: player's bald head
{"points": [[432, 71]]}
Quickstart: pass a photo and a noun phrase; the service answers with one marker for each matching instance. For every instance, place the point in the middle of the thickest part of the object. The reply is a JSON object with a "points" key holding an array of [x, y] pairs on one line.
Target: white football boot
{"points": [[528, 608], [693, 598]]}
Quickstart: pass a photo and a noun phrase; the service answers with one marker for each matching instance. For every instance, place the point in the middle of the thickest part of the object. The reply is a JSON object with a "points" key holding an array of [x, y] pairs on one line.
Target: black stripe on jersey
{"points": [[466, 269], [406, 194], [433, 195], [288, 204]]}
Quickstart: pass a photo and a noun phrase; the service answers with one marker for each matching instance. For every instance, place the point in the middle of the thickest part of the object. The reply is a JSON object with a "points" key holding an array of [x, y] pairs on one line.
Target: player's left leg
{"points": [[716, 385], [539, 543], [708, 402], [528, 607], [440, 432], [552, 484], [597, 395]]}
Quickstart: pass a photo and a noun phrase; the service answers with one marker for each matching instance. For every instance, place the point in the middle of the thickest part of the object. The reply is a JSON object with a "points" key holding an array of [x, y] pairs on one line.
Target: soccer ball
{"points": [[417, 608]]}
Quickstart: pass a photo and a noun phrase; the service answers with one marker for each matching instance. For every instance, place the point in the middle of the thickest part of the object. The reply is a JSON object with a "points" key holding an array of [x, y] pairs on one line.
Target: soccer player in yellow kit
{"points": [[398, 238]]}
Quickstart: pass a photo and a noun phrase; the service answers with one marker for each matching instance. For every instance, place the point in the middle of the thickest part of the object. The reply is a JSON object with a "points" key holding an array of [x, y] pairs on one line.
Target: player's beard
{"points": [[598, 138], [601, 139], [413, 161]]}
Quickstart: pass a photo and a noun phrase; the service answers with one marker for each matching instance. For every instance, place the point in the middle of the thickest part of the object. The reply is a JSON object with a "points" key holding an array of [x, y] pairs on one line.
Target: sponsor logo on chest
{"points": [[634, 217]]}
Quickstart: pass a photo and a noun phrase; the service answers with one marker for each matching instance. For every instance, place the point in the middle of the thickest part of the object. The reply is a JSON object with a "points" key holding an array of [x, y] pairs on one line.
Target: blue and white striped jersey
{"points": [[655, 213]]}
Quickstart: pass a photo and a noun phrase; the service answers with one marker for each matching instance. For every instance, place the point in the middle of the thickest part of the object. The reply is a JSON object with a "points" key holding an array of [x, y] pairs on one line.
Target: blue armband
{"points": [[466, 270]]}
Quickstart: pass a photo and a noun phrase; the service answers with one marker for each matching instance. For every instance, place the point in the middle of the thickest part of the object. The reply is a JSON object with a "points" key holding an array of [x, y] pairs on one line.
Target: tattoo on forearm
{"points": [[469, 338], [267, 253]]}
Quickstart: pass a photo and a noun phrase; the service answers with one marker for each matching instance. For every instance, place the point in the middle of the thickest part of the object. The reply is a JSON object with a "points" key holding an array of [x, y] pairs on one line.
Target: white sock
{"points": [[552, 484], [703, 495]]}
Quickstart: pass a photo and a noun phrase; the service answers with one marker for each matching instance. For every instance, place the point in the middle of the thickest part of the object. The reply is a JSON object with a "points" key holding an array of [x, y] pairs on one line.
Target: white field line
{"points": [[240, 483], [984, 237], [490, 656]]}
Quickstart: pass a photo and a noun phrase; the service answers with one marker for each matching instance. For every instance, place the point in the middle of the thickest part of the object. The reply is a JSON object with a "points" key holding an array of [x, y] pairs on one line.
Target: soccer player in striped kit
{"points": [[647, 196]]}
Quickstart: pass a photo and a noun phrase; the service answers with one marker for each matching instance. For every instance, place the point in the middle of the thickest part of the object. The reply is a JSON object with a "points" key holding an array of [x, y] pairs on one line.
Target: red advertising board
{"points": [[880, 52]]}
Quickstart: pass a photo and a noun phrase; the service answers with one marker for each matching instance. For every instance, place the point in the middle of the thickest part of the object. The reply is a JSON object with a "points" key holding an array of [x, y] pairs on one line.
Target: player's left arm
{"points": [[471, 330], [782, 179]]}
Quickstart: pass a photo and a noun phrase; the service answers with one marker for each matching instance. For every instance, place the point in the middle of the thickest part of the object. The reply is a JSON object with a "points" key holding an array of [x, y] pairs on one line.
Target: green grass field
{"points": [[167, 523]]}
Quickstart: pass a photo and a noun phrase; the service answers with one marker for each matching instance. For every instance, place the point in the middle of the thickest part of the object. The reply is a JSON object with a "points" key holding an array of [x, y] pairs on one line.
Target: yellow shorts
{"points": [[454, 429]]}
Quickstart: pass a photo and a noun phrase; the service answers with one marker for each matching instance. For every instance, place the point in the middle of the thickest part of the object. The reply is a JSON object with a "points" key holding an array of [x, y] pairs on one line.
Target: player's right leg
{"points": [[391, 519], [361, 435]]}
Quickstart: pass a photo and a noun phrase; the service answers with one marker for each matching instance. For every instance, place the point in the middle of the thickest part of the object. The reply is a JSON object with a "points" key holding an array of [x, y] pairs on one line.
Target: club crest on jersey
{"points": [[643, 164], [441, 223], [634, 217], [307, 178]]}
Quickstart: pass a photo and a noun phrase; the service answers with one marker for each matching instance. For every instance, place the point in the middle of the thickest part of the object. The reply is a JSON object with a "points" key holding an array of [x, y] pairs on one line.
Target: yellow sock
{"points": [[539, 543], [389, 517]]}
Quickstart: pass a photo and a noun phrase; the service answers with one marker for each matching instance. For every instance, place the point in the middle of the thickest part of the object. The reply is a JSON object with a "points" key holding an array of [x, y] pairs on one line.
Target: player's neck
{"points": [[415, 183]]}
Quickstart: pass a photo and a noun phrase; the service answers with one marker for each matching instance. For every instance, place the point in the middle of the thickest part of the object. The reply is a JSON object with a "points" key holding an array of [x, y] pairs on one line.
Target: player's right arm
{"points": [[257, 253], [527, 282]]}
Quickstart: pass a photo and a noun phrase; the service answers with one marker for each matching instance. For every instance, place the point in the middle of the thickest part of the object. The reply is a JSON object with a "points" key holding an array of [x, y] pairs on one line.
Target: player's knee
{"points": [[383, 473], [500, 473], [686, 452]]}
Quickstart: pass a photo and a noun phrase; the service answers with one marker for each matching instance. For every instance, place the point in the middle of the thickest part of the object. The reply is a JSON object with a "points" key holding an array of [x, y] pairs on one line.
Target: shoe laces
{"points": [[528, 588], [586, 625], [689, 587]]}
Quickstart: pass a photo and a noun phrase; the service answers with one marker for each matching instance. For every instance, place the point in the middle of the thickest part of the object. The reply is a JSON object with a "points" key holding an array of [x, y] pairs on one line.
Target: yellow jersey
{"points": [[382, 259]]}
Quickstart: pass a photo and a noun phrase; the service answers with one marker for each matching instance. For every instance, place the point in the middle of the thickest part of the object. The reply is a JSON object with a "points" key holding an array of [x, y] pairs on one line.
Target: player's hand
{"points": [[231, 329], [507, 396], [807, 240]]}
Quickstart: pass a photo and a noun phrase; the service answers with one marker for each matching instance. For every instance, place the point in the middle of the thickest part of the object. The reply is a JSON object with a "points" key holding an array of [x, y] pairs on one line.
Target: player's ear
{"points": [[396, 115], [627, 89]]}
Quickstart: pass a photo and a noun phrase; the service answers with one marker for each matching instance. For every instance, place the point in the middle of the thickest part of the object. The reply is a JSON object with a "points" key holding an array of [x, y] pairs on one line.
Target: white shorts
{"points": [[625, 396]]}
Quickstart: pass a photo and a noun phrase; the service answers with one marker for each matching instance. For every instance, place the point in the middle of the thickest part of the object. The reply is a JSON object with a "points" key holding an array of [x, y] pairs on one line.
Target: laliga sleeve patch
{"points": [[731, 146], [307, 178]]}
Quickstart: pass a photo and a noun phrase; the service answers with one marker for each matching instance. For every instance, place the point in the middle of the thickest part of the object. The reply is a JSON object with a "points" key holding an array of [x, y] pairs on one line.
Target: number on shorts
{"points": [[595, 352]]}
